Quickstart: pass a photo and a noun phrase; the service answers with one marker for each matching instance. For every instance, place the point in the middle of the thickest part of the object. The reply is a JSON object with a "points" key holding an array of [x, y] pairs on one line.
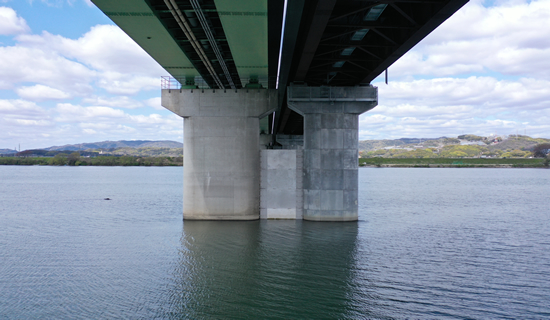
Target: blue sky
{"points": [[68, 75]]}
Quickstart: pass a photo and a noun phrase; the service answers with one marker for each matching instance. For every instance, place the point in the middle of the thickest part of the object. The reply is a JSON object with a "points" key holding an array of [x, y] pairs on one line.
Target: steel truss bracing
{"points": [[349, 43], [324, 43], [196, 27]]}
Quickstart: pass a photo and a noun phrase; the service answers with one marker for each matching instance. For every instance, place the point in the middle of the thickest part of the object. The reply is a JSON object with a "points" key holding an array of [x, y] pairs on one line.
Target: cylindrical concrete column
{"points": [[330, 185], [221, 150]]}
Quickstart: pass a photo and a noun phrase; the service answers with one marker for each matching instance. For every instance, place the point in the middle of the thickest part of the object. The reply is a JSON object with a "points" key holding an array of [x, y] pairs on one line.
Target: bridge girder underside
{"points": [[325, 42], [167, 13], [349, 43]]}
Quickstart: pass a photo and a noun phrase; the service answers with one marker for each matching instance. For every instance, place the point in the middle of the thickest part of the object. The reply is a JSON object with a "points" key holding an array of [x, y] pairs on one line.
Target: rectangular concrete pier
{"points": [[221, 149], [331, 116], [228, 177]]}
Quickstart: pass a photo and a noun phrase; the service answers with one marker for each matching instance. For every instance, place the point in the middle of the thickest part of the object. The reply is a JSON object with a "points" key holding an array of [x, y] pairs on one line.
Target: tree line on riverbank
{"points": [[456, 162], [459, 156], [465, 150], [75, 159]]}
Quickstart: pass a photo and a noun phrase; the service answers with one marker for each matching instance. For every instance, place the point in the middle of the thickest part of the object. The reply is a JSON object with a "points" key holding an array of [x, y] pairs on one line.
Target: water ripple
{"points": [[437, 244]]}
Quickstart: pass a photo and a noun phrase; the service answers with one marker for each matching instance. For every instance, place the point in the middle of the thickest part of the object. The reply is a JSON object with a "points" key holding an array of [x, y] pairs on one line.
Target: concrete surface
{"points": [[221, 150], [281, 184], [330, 182]]}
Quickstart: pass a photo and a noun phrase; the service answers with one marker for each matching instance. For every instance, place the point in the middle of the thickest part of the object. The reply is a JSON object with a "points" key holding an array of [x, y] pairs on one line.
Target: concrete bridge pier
{"points": [[221, 150], [330, 176]]}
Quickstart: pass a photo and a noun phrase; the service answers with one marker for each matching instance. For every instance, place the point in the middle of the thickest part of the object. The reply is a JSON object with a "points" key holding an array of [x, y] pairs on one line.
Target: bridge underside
{"points": [[270, 74], [349, 43]]}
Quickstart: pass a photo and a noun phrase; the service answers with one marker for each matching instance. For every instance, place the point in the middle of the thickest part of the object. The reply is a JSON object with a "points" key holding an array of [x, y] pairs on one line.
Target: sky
{"points": [[68, 75]]}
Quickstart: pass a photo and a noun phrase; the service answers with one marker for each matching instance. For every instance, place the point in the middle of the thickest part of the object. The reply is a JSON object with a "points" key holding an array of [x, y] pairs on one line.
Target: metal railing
{"points": [[304, 93], [172, 83], [168, 82]]}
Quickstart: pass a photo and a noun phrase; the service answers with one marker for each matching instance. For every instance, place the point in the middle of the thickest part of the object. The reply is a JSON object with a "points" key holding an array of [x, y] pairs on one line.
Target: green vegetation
{"points": [[463, 147], [144, 152], [464, 151], [25, 161], [452, 162], [104, 145], [74, 159], [542, 150], [106, 153], [519, 142], [471, 137]]}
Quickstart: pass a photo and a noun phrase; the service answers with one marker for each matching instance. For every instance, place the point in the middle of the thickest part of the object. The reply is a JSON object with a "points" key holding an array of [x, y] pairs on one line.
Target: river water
{"points": [[431, 243]]}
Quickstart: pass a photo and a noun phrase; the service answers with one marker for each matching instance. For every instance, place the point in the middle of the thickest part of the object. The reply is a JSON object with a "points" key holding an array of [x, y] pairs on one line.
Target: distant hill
{"points": [[368, 145], [7, 151], [104, 145], [139, 148], [463, 145], [467, 145]]}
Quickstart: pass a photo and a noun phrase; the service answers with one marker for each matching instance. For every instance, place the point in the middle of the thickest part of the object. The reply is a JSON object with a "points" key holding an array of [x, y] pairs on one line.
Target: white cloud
{"points": [[155, 103], [106, 120], [89, 131], [10, 23], [124, 84], [40, 93], [22, 64], [104, 48], [55, 3], [116, 102], [74, 113], [102, 69], [150, 119], [454, 106], [413, 127], [22, 121], [20, 111], [99, 71], [512, 39], [483, 93], [118, 64]]}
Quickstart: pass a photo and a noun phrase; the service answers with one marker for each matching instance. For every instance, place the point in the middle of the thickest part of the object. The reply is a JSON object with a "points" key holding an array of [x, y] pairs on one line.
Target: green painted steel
{"points": [[244, 23], [245, 26], [137, 20]]}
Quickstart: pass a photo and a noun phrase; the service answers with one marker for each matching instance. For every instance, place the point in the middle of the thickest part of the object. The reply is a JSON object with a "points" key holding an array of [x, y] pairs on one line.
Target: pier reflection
{"points": [[264, 269]]}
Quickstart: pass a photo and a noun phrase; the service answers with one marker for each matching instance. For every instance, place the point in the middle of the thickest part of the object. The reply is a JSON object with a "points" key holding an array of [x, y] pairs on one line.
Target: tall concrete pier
{"points": [[331, 116], [223, 48], [223, 176], [221, 150]]}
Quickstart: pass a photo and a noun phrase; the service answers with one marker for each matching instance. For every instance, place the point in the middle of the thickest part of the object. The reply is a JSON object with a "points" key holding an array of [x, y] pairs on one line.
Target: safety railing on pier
{"points": [[168, 82], [360, 93], [176, 83]]}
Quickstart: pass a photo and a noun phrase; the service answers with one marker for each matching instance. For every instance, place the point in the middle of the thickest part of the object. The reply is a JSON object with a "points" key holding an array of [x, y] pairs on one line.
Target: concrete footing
{"points": [[281, 184]]}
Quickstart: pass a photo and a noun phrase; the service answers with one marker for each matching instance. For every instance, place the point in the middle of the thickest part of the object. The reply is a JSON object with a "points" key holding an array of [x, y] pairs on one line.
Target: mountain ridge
{"points": [[167, 147], [117, 144], [467, 145]]}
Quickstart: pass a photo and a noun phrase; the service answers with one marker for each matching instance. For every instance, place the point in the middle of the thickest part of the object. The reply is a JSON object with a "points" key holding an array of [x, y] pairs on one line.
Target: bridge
{"points": [[271, 91]]}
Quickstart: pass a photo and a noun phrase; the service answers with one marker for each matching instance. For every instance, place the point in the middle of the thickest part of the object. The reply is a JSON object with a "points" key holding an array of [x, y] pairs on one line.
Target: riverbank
{"points": [[454, 162], [363, 162], [107, 161]]}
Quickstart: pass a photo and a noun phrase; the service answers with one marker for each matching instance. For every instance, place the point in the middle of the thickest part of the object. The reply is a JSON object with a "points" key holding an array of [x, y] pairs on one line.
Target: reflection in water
{"points": [[264, 269], [434, 243]]}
